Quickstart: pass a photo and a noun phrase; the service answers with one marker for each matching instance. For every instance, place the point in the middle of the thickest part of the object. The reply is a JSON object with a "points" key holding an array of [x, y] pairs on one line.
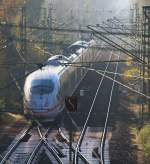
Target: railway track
{"points": [[84, 130], [28, 147], [44, 142], [44, 139], [14, 145], [104, 141], [102, 154]]}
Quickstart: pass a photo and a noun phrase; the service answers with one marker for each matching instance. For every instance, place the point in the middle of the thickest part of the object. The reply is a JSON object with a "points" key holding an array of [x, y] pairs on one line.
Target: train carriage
{"points": [[45, 89]]}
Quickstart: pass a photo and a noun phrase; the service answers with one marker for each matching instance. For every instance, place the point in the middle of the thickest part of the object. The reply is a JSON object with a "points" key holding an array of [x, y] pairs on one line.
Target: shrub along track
{"points": [[122, 148]]}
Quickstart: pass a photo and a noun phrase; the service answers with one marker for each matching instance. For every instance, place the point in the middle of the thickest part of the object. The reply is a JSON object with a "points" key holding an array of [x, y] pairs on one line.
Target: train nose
{"points": [[42, 93]]}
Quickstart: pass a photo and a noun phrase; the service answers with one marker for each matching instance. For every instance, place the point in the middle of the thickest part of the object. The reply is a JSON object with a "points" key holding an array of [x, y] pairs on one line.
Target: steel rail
{"points": [[1, 156], [98, 54], [36, 149], [89, 114], [12, 149], [75, 125], [43, 141], [53, 151], [73, 148], [68, 114], [32, 156], [50, 148], [102, 144]]}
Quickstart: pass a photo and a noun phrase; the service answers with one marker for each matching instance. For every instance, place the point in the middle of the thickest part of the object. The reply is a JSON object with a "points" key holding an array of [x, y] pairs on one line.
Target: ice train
{"points": [[45, 89]]}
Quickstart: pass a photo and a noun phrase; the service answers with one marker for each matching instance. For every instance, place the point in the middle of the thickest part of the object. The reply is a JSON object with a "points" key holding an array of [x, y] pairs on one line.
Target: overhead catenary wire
{"points": [[109, 72], [99, 35], [119, 74], [116, 81], [75, 65], [107, 26], [116, 36], [131, 36], [41, 64], [54, 29], [120, 48], [124, 29], [17, 79], [130, 76], [88, 62]]}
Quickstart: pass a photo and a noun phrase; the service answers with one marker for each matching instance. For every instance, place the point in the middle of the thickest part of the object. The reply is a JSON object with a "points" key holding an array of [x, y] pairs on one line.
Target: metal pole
{"points": [[145, 44]]}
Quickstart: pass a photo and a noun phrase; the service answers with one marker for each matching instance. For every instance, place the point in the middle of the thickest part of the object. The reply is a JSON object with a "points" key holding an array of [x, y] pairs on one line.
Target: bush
{"points": [[145, 139]]}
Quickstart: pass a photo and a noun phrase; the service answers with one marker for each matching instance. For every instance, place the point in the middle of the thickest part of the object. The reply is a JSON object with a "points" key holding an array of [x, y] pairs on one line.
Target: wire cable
{"points": [[116, 81], [17, 79], [99, 35]]}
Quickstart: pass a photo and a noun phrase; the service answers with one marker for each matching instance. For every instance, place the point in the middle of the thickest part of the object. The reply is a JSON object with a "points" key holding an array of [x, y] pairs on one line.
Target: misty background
{"points": [[80, 13]]}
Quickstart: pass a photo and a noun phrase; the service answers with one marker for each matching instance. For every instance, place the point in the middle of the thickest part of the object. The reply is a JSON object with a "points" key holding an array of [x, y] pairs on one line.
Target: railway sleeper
{"points": [[59, 152]]}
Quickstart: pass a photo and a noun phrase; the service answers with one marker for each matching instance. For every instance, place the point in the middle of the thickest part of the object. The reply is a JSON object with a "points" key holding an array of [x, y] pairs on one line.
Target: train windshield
{"points": [[44, 86]]}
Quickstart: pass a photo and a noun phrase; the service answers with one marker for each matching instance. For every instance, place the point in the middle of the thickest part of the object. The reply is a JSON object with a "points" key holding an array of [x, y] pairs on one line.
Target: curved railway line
{"points": [[34, 145], [14, 146], [89, 114], [100, 156], [90, 144]]}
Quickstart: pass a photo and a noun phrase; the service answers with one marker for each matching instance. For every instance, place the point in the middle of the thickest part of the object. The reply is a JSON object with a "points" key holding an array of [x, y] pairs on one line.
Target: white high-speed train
{"points": [[45, 89]]}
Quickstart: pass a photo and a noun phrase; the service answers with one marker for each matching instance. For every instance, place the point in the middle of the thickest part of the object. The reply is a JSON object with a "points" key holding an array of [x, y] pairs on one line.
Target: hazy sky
{"points": [[122, 3], [110, 4], [115, 4], [88, 11]]}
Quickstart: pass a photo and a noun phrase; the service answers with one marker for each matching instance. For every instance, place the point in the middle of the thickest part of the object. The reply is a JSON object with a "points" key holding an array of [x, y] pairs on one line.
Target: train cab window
{"points": [[57, 60], [53, 62], [44, 86]]}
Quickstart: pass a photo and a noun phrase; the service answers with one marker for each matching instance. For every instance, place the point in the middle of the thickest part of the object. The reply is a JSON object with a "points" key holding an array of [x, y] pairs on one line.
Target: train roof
{"points": [[73, 48], [44, 73], [81, 43], [57, 60]]}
